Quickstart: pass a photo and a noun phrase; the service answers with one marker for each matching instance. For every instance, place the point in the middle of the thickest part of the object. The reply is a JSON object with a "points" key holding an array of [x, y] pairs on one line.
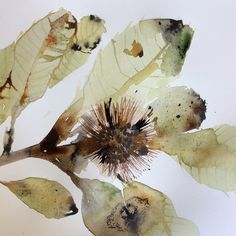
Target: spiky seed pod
{"points": [[119, 137]]}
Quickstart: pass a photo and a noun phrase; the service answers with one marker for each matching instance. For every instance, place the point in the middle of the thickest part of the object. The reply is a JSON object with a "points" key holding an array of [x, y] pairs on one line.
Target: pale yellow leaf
{"points": [[209, 155], [6, 64], [178, 109], [88, 35], [136, 61], [48, 51]]}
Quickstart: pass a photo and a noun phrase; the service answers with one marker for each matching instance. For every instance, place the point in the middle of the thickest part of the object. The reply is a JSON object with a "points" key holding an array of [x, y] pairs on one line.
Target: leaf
{"points": [[160, 218], [6, 63], [209, 155], [178, 109], [88, 36], [52, 48], [135, 63], [118, 73], [45, 196], [142, 211]]}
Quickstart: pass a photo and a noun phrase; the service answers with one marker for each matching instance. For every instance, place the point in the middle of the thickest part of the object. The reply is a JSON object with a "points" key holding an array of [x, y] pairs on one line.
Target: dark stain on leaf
{"points": [[199, 108], [95, 18], [174, 26], [7, 146], [73, 210], [7, 85], [184, 44], [129, 217], [75, 47]]}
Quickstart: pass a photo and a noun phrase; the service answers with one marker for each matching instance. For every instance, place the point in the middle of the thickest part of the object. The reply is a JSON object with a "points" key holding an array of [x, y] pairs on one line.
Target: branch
{"points": [[60, 156], [17, 155]]}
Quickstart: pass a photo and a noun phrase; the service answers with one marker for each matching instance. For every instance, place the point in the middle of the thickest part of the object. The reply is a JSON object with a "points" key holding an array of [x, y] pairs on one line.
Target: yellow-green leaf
{"points": [[209, 155], [45, 196], [132, 63]]}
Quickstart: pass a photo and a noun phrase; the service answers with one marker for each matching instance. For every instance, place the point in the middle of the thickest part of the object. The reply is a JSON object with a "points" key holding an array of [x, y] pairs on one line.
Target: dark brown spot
{"points": [[86, 45], [95, 18], [136, 50], [8, 144], [75, 47], [141, 53], [95, 44], [73, 210], [91, 17], [48, 144], [174, 26], [143, 151], [7, 85], [72, 25]]}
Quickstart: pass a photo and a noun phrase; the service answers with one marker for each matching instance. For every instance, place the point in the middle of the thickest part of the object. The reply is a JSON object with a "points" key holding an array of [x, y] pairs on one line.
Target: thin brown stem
{"points": [[17, 155], [61, 154], [61, 157]]}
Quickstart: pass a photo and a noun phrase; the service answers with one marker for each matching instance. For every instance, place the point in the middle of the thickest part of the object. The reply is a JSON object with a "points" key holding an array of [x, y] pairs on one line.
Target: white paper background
{"points": [[209, 68]]}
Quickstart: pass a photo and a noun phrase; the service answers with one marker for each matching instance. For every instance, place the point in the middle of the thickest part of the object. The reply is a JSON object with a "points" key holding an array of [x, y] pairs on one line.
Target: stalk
{"points": [[18, 155]]}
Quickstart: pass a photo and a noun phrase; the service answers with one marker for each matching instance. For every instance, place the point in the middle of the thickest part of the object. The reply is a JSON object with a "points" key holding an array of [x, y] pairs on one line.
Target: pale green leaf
{"points": [[178, 109], [138, 60], [209, 155], [45, 196], [140, 211]]}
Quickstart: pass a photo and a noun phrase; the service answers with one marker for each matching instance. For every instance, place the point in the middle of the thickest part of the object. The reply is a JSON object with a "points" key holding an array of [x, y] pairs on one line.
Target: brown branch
{"points": [[16, 156], [61, 156]]}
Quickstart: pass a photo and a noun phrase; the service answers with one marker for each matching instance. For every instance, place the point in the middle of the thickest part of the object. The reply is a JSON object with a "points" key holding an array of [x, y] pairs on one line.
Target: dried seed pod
{"points": [[119, 137]]}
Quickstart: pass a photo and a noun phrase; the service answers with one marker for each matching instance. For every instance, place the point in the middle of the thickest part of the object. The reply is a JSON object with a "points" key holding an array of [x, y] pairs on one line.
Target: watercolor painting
{"points": [[128, 110]]}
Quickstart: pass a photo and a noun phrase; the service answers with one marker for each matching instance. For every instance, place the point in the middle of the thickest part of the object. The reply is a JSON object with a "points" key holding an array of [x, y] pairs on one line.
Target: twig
{"points": [[17, 155], [61, 157]]}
